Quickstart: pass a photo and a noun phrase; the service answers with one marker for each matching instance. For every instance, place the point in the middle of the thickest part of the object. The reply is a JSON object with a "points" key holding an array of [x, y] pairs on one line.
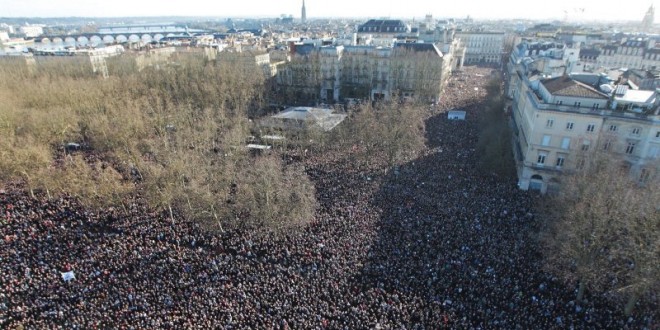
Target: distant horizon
{"points": [[403, 18], [569, 10]]}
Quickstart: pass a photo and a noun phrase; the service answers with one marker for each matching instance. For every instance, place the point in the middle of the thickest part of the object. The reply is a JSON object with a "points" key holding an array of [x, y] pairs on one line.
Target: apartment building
{"points": [[382, 32], [420, 71], [444, 33], [482, 47], [632, 54], [364, 73], [298, 79], [559, 122], [405, 71], [331, 68]]}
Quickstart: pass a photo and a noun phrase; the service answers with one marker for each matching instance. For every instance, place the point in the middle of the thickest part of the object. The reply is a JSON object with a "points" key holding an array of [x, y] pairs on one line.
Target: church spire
{"points": [[647, 22], [303, 15]]}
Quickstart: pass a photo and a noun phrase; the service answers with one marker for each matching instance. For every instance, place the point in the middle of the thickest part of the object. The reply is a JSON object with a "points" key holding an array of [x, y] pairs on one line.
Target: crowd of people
{"points": [[435, 244]]}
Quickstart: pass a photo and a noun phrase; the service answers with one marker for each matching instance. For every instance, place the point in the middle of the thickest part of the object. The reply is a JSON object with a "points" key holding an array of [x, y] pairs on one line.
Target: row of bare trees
{"points": [[174, 135], [603, 232]]}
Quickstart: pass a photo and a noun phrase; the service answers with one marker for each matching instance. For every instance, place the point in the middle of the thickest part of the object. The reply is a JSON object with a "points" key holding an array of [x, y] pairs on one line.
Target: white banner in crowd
{"points": [[68, 276]]}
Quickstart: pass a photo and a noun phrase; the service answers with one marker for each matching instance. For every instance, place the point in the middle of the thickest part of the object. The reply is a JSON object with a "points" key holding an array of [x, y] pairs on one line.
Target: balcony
{"points": [[550, 147], [544, 168]]}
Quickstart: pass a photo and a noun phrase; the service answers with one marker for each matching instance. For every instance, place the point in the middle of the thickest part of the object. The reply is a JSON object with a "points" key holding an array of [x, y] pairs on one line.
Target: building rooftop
{"points": [[586, 52], [545, 27], [460, 31], [642, 74], [384, 22], [384, 26], [637, 96], [635, 43], [621, 90], [591, 79], [538, 49], [419, 47], [322, 118], [566, 86]]}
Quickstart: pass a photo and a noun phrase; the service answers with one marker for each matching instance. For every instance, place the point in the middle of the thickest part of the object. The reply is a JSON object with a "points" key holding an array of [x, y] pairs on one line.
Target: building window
{"points": [[657, 134], [580, 163], [551, 122], [636, 131], [559, 102], [541, 159], [585, 145], [630, 148], [654, 152], [566, 143], [613, 128], [591, 127], [577, 104], [595, 106], [607, 145], [546, 140], [560, 161], [569, 126]]}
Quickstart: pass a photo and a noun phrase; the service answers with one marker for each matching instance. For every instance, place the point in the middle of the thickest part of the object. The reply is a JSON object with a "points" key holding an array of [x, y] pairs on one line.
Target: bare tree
{"points": [[173, 134], [602, 231], [299, 81], [390, 130], [417, 75], [94, 183], [18, 162], [273, 197], [401, 131]]}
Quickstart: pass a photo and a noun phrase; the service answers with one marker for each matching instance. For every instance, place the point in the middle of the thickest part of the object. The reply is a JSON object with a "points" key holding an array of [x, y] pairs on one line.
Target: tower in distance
{"points": [[647, 22]]}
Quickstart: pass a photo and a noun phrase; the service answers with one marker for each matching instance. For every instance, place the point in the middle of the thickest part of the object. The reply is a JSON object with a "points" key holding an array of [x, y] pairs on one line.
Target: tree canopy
{"points": [[603, 231]]}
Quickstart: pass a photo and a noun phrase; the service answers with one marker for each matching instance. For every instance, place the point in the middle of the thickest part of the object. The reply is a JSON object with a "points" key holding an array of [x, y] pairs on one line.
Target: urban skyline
{"points": [[578, 10]]}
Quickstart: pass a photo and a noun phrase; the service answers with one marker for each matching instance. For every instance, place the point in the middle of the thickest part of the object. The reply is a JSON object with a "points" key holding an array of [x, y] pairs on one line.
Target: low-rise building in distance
{"points": [[31, 31], [482, 47]]}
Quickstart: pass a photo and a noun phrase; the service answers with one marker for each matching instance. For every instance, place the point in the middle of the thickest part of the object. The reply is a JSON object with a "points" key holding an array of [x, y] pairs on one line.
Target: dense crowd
{"points": [[435, 244]]}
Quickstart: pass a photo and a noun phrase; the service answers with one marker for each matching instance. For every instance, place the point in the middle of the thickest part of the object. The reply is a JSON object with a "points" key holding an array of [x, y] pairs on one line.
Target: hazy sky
{"points": [[554, 9]]}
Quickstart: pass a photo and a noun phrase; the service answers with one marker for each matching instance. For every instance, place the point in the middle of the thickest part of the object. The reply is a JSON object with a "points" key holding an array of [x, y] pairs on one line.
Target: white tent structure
{"points": [[298, 118]]}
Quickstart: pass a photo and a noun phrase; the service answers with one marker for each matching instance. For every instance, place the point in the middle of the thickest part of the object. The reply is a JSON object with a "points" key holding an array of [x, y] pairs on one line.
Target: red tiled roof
{"points": [[565, 86]]}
